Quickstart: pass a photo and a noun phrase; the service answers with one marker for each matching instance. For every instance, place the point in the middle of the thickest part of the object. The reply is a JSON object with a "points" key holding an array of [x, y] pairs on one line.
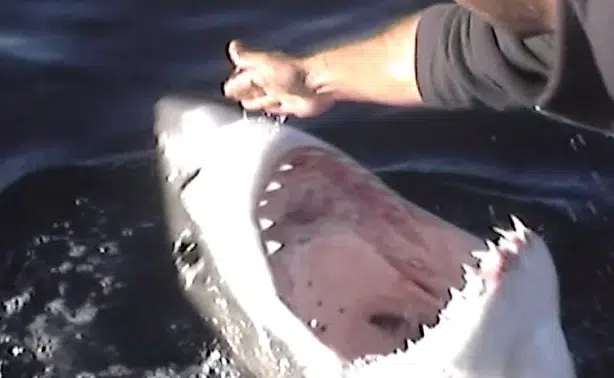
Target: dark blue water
{"points": [[84, 276]]}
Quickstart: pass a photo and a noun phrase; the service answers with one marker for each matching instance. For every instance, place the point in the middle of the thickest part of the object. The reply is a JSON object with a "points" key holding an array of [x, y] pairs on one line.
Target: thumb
{"points": [[243, 57]]}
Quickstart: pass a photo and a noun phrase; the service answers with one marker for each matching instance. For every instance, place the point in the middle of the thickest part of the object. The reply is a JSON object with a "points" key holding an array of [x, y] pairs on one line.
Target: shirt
{"points": [[463, 60]]}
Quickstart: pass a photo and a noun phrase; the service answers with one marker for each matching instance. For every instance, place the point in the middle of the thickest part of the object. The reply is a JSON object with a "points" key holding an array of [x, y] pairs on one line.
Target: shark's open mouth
{"points": [[351, 279], [348, 257]]}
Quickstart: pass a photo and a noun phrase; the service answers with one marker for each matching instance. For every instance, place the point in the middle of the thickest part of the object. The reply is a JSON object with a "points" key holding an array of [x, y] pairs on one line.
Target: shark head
{"points": [[339, 276]]}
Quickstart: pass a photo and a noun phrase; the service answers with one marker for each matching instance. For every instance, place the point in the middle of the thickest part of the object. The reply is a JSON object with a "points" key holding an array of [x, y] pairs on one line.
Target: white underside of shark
{"points": [[355, 280]]}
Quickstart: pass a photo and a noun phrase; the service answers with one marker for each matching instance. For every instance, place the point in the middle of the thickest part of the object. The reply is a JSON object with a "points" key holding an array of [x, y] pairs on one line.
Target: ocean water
{"points": [[85, 284]]}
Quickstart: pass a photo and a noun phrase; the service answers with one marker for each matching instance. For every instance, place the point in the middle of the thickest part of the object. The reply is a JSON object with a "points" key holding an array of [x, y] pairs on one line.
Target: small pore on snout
{"points": [[359, 266]]}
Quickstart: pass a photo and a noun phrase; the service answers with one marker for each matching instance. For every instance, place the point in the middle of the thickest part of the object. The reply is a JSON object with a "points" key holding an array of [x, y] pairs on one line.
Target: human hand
{"points": [[272, 82]]}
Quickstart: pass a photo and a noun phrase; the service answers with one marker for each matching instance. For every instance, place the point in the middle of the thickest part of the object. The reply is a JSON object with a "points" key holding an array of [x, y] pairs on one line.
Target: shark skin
{"points": [[321, 270]]}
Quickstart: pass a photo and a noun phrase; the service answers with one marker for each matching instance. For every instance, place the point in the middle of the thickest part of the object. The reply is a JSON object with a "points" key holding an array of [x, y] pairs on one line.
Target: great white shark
{"points": [[310, 266]]}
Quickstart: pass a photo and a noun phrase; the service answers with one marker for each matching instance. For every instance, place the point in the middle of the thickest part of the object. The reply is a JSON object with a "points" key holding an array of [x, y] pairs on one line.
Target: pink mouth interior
{"points": [[357, 265]]}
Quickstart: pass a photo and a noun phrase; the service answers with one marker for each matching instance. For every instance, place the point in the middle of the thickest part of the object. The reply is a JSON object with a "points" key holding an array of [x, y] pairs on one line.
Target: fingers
{"points": [[241, 87], [266, 103], [233, 52], [244, 88], [275, 109], [243, 58]]}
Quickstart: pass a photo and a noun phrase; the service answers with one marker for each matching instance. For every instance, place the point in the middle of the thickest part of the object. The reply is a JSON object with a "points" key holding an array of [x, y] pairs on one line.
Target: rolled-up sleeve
{"points": [[462, 60]]}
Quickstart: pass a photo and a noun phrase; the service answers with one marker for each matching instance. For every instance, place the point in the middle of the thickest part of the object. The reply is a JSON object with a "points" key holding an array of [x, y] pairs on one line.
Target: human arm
{"points": [[444, 56], [377, 69]]}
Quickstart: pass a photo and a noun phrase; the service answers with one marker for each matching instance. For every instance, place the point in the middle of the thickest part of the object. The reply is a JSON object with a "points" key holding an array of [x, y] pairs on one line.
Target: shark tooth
{"points": [[469, 271], [508, 244], [474, 284], [455, 294], [492, 247], [409, 343], [470, 274], [265, 223], [480, 255], [507, 234], [519, 227], [272, 246], [273, 186], [286, 167], [426, 330]]}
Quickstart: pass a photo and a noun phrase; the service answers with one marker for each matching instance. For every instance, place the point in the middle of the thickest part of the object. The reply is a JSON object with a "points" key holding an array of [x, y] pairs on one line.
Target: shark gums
{"points": [[309, 266]]}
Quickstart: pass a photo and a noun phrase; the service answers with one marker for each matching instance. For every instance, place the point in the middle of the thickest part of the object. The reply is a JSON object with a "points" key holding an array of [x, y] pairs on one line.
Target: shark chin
{"points": [[308, 265]]}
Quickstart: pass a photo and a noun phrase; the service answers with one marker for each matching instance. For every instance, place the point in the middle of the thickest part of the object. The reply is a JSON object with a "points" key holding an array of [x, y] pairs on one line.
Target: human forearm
{"points": [[379, 69]]}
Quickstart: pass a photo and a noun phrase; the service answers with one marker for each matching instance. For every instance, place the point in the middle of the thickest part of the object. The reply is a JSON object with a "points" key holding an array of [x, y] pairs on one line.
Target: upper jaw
{"points": [[233, 162]]}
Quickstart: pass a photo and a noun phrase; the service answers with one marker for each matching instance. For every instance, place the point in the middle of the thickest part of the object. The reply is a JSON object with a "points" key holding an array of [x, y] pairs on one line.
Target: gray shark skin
{"points": [[310, 266]]}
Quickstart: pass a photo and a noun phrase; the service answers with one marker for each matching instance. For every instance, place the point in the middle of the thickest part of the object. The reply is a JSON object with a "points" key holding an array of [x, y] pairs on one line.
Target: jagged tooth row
{"points": [[519, 227], [274, 246], [474, 282], [508, 242], [520, 232], [475, 285], [460, 299], [409, 344], [490, 256]]}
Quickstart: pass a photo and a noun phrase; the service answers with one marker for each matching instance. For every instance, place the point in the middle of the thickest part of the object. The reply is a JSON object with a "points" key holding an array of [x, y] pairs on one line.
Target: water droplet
{"points": [[571, 213], [80, 201], [592, 207], [16, 351], [491, 210], [580, 139]]}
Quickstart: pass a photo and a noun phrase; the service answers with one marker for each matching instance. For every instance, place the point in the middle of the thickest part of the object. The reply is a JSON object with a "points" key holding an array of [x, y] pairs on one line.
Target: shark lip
{"points": [[347, 257]]}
